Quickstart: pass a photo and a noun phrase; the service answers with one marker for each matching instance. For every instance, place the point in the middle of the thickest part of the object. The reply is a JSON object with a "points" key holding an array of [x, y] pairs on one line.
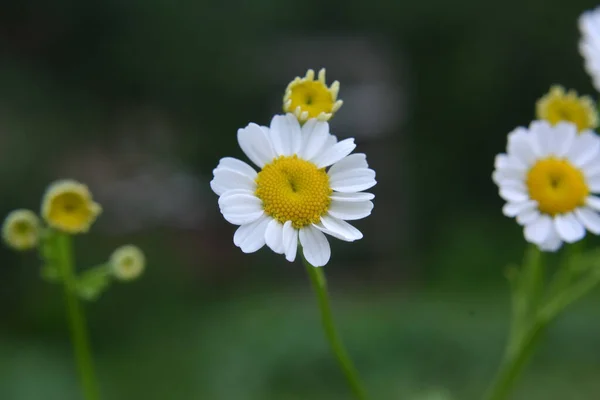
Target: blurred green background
{"points": [[140, 99]]}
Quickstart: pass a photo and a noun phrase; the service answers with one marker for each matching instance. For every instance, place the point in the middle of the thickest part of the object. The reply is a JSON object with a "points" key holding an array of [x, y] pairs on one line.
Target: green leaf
{"points": [[47, 251], [50, 273], [93, 282]]}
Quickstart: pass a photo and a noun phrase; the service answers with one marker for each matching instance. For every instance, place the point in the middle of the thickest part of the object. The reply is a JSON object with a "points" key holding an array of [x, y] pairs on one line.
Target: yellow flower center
{"points": [[559, 106], [556, 185], [313, 97], [22, 228], [69, 210], [293, 189]]}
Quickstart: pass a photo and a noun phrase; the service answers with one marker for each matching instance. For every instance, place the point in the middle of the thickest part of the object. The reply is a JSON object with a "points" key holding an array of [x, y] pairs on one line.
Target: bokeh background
{"points": [[140, 99]]}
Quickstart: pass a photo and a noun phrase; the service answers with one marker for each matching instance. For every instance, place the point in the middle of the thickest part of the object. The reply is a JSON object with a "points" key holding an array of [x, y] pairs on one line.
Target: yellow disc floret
{"points": [[293, 189], [557, 186], [558, 105], [21, 230], [309, 98], [68, 207]]}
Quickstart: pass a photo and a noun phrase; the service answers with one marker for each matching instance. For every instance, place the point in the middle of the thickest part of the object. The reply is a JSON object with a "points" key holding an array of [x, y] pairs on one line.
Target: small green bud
{"points": [[21, 230], [127, 263]]}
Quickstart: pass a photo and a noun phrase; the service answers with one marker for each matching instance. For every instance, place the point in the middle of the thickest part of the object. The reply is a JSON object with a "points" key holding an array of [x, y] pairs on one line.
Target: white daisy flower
{"points": [[547, 177], [589, 44], [294, 198]]}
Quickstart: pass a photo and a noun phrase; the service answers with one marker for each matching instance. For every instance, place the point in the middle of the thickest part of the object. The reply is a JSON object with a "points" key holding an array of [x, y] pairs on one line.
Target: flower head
{"points": [[548, 178], [309, 98], [21, 230], [127, 262], [294, 198], [558, 105], [589, 44], [68, 207]]}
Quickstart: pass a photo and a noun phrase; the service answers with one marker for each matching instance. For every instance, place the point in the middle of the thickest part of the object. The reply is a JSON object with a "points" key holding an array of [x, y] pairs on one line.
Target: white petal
{"points": [[569, 228], [552, 243], [238, 166], [541, 137], [334, 153], [584, 149], [285, 134], [501, 175], [339, 228], [504, 161], [240, 207], [513, 194], [528, 216], [353, 161], [314, 134], [514, 209], [514, 184], [352, 180], [594, 183], [538, 230], [520, 146], [255, 143], [591, 169], [593, 202], [251, 237], [290, 241], [589, 218], [226, 179], [274, 236], [350, 211], [352, 197], [565, 135], [315, 246]]}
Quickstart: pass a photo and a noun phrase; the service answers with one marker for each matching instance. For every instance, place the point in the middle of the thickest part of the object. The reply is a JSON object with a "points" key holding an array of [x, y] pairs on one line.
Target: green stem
{"points": [[527, 289], [76, 317], [317, 278], [514, 362]]}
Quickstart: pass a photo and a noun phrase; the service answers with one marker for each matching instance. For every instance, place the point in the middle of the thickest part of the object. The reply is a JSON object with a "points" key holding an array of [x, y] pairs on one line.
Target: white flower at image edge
{"points": [[589, 44], [294, 198], [547, 178]]}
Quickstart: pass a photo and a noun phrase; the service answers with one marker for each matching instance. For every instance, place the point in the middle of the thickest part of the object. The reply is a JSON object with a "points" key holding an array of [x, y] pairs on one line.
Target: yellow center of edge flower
{"points": [[557, 186], [293, 189]]}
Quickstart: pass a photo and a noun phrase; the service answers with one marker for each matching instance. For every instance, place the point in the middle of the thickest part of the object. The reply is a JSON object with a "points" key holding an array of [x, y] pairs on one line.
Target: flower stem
{"points": [[76, 318], [317, 278], [514, 362], [526, 327]]}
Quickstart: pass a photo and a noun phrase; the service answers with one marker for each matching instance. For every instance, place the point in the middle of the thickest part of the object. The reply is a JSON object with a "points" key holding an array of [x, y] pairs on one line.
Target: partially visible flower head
{"points": [[21, 230], [294, 199], [309, 98], [558, 105], [68, 206], [589, 44], [127, 262], [548, 178]]}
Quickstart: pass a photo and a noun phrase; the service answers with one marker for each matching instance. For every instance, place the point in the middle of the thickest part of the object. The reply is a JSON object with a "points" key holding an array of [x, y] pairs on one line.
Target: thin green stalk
{"points": [[76, 318], [317, 278], [515, 361], [565, 273], [527, 289]]}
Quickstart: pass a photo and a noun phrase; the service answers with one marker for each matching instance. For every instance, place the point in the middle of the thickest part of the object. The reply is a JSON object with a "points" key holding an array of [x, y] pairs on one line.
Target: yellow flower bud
{"points": [[68, 207], [309, 98]]}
